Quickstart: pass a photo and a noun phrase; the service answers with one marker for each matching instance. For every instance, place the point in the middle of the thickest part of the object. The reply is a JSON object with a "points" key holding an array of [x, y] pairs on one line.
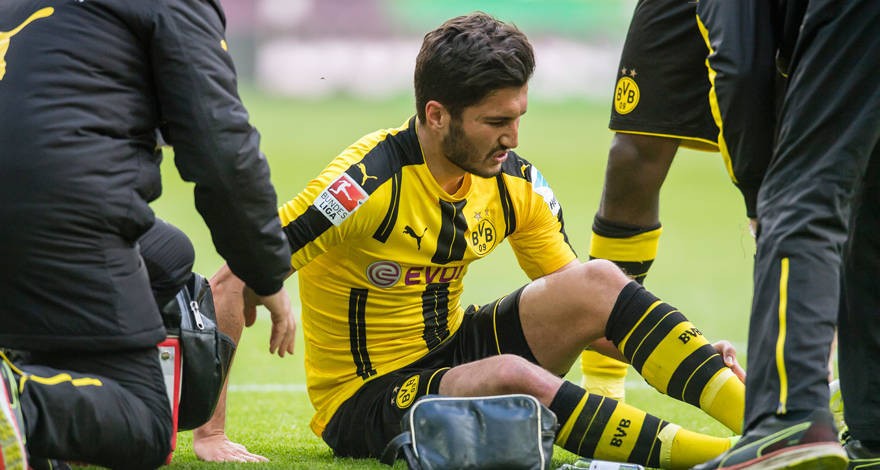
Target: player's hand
{"points": [[728, 354], [753, 227], [218, 448], [283, 322]]}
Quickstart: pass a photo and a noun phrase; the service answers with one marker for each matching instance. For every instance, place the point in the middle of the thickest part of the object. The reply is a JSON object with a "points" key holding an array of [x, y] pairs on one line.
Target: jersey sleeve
{"points": [[333, 209], [539, 241]]}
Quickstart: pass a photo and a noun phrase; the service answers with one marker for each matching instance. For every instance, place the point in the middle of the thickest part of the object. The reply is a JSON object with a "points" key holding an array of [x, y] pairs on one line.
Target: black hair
{"points": [[467, 58]]}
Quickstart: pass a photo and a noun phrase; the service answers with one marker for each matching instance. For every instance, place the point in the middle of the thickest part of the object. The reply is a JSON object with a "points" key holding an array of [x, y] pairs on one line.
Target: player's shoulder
{"points": [[376, 157], [518, 167]]}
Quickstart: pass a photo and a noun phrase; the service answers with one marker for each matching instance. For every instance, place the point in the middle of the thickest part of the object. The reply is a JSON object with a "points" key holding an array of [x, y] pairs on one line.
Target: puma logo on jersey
{"points": [[6, 36], [340, 199], [409, 231], [365, 176]]}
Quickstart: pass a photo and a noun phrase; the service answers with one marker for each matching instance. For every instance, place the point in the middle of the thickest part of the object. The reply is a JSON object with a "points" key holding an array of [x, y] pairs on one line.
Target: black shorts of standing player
{"points": [[367, 421], [662, 84]]}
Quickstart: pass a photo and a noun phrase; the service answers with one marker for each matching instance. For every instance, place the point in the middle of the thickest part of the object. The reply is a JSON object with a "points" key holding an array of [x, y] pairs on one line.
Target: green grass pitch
{"points": [[703, 268]]}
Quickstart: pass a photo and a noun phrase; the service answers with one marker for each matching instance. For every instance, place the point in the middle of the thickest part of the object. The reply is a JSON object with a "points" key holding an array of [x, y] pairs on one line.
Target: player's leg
{"points": [[590, 425], [626, 229], [489, 354], [563, 311], [659, 100], [492, 356]]}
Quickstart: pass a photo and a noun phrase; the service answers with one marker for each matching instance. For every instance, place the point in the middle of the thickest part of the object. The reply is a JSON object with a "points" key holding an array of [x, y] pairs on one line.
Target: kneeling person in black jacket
{"points": [[83, 86]]}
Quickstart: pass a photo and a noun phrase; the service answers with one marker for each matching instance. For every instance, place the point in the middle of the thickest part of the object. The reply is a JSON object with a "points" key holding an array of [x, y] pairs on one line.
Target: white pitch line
{"points": [[267, 388]]}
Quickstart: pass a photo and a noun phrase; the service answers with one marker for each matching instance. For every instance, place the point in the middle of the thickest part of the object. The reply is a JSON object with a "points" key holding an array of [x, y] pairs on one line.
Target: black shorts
{"points": [[662, 83], [367, 421]]}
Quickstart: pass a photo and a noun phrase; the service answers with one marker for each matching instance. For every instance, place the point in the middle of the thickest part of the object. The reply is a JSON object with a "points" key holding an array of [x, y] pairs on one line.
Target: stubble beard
{"points": [[459, 150]]}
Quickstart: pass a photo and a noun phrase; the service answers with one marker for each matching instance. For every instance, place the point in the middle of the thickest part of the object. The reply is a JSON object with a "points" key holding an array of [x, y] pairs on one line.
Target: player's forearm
{"points": [[217, 424], [229, 302], [228, 291]]}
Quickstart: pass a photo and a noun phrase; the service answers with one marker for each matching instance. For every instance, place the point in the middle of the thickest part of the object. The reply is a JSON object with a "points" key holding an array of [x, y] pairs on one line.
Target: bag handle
{"points": [[401, 443]]}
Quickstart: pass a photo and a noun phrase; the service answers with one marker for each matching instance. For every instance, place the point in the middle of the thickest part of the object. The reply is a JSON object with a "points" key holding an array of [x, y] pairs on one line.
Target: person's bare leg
{"points": [[577, 301], [627, 221], [637, 167]]}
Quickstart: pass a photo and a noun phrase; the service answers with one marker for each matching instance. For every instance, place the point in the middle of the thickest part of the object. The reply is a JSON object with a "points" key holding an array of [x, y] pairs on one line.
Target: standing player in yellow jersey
{"points": [[665, 99], [382, 240]]}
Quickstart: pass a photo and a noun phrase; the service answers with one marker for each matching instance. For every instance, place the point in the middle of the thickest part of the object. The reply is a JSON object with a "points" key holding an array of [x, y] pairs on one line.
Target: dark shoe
{"points": [[777, 443], [13, 455], [860, 457]]}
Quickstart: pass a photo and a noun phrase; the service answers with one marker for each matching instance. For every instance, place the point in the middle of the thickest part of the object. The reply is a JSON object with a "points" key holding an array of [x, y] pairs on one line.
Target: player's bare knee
{"points": [[602, 272], [623, 154], [602, 281], [513, 374]]}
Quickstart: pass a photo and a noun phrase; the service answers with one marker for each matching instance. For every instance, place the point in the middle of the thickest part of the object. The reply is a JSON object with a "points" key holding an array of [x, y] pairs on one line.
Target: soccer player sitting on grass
{"points": [[382, 239]]}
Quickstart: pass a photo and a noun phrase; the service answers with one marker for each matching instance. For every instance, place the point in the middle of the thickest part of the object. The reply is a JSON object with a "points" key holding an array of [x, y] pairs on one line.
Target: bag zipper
{"points": [[197, 314]]}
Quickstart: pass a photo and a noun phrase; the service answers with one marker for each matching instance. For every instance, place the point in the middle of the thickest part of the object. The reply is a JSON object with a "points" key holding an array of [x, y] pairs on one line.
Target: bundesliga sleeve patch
{"points": [[340, 199]]}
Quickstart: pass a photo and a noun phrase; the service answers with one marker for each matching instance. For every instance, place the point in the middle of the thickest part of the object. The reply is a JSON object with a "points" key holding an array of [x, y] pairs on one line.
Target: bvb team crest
{"points": [[626, 95], [407, 393], [483, 237]]}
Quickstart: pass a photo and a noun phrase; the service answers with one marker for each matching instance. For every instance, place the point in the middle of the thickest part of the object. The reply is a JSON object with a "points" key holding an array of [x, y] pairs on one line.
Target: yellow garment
{"points": [[381, 251], [603, 375]]}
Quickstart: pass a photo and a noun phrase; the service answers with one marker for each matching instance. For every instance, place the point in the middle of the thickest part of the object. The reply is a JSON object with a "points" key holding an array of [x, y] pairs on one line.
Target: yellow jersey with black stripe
{"points": [[381, 251]]}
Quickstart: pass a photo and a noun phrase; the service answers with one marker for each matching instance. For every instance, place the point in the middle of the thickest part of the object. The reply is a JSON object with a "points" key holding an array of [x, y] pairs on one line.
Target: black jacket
{"points": [[84, 84]]}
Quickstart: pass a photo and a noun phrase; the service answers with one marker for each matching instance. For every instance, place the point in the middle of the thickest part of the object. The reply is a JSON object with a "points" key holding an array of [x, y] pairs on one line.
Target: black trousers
{"points": [[745, 83], [818, 215], [110, 407]]}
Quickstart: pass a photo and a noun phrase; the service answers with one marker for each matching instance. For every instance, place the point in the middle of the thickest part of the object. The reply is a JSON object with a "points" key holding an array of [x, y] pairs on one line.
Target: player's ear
{"points": [[436, 115]]}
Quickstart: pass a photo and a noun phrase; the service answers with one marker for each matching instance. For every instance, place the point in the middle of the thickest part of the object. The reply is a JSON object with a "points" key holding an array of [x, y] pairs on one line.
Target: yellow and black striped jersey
{"points": [[381, 251]]}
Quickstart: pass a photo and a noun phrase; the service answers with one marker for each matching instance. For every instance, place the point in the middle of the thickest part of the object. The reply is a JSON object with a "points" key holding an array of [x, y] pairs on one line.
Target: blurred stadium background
{"points": [[316, 75], [366, 48]]}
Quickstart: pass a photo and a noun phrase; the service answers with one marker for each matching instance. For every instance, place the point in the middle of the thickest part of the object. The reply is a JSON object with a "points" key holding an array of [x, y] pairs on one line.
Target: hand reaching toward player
{"points": [[283, 321], [728, 354]]}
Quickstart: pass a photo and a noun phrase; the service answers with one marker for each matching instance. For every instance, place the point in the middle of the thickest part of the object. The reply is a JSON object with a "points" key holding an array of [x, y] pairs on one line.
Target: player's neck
{"points": [[448, 175]]}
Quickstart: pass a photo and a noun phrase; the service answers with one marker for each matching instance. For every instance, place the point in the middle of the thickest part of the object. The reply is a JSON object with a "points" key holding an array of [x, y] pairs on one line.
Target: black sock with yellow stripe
{"points": [[673, 356], [598, 427], [633, 249]]}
